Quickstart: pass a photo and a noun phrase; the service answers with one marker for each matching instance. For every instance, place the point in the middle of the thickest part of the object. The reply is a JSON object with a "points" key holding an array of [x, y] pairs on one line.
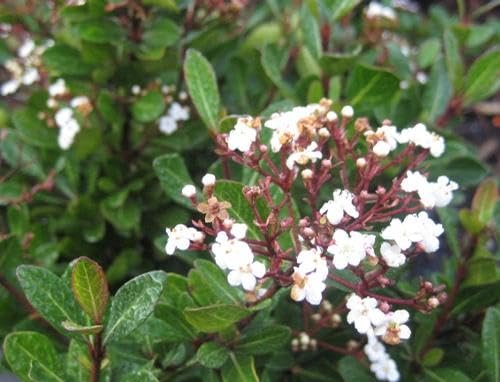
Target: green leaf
{"points": [[239, 368], [466, 171], [208, 285], [50, 296], [338, 63], [32, 130], [19, 155], [454, 61], [212, 318], [75, 328], [240, 209], [490, 337], [271, 60], [483, 78], [64, 60], [23, 349], [371, 86], [266, 340], [353, 371], [173, 175], [343, 7], [100, 31], [310, 32], [78, 364], [446, 375], [161, 34], [481, 268], [433, 357], [202, 86], [133, 303], [178, 329], [429, 52], [437, 92], [212, 355], [90, 287], [149, 107], [485, 200]]}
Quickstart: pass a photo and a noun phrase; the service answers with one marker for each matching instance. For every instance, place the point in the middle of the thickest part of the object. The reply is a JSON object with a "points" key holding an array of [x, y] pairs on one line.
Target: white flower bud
{"points": [[361, 162], [304, 339], [306, 174], [433, 302], [324, 133], [51, 103], [313, 344], [228, 223], [136, 89], [165, 89], [188, 191], [347, 111], [208, 180], [331, 116], [183, 95]]}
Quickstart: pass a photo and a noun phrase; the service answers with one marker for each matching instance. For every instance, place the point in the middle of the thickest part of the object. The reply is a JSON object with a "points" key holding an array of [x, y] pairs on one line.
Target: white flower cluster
{"points": [[340, 204], [236, 255], [243, 134], [24, 68], [418, 229], [431, 194], [309, 277], [386, 138], [176, 113], [377, 10], [304, 156], [181, 237], [381, 363]]}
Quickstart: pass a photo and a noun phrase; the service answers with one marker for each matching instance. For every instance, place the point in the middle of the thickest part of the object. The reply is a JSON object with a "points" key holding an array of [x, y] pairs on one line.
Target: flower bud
{"points": [[335, 320], [428, 286], [228, 223], [331, 116], [361, 125], [442, 297], [361, 162], [433, 302], [384, 307], [324, 133], [183, 95], [327, 163], [288, 222], [306, 174], [316, 317], [347, 111], [263, 148], [303, 222], [208, 180], [313, 344], [295, 344], [188, 191], [304, 339], [136, 89], [326, 306], [352, 345], [308, 232]]}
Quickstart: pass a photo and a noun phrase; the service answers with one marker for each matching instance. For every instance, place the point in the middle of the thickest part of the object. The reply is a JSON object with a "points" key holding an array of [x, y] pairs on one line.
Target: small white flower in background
{"points": [[68, 127], [392, 255], [242, 136], [79, 101], [374, 349], [247, 275], [180, 237], [347, 111], [178, 112], [183, 96], [303, 157], [188, 191], [393, 329], [364, 314], [26, 48], [429, 231], [386, 138], [402, 233], [239, 230], [342, 202], [331, 116], [377, 10], [443, 191], [348, 249], [420, 136], [414, 181], [432, 194], [10, 87], [30, 76], [422, 78], [310, 260], [168, 125], [136, 89], [58, 88], [385, 370], [307, 286], [63, 116], [208, 180]]}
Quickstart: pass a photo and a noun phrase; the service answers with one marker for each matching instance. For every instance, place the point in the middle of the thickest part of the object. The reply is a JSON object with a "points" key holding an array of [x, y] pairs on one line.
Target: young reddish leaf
{"points": [[90, 288]]}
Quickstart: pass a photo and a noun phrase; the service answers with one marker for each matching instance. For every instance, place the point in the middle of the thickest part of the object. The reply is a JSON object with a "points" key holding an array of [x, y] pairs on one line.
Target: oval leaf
{"points": [[212, 355], [213, 318], [490, 338], [265, 341]]}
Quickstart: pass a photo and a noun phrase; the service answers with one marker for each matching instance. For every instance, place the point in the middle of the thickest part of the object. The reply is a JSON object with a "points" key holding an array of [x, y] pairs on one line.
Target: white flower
{"points": [[414, 181], [403, 233], [385, 370], [58, 88], [180, 237], [307, 286], [26, 48], [63, 116], [393, 329], [387, 140], [310, 260], [79, 101], [374, 349], [303, 157], [136, 89], [30, 76], [443, 191], [429, 232], [363, 312], [392, 255], [422, 77], [188, 191], [347, 250], [239, 230], [242, 136], [10, 87], [331, 116], [420, 136], [437, 146], [347, 111], [342, 202], [377, 10], [178, 112], [67, 133], [168, 125], [231, 253], [432, 194], [208, 180], [247, 275]]}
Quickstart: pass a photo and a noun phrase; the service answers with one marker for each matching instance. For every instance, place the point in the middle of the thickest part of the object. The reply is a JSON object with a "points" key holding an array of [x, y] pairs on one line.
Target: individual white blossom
{"points": [[385, 370], [311, 260], [403, 233], [242, 135], [247, 275], [302, 157], [27, 47], [364, 314], [68, 127], [180, 237], [79, 101], [393, 329], [307, 286], [58, 88], [168, 125], [386, 139], [420, 136], [208, 180], [178, 112], [392, 255], [188, 191], [429, 231], [348, 248], [136, 89], [331, 116], [335, 208], [231, 253], [377, 10], [347, 111]]}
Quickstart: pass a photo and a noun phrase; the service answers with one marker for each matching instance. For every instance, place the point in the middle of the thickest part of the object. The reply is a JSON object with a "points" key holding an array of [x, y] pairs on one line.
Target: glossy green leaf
{"points": [[148, 107], [34, 131], [50, 296], [438, 92], [485, 200], [446, 375], [481, 268], [483, 78], [271, 60], [266, 340], [173, 175], [429, 52], [202, 86], [490, 338], [208, 284], [342, 7], [90, 287], [19, 155], [78, 364], [433, 357], [100, 31], [160, 34], [212, 355], [23, 349], [212, 318], [352, 371], [65, 60], [177, 328], [338, 63], [133, 303], [454, 62], [239, 368], [371, 86], [310, 32]]}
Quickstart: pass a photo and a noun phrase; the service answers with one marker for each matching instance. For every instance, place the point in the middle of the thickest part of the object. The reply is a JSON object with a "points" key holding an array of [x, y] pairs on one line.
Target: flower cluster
{"points": [[365, 228]]}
